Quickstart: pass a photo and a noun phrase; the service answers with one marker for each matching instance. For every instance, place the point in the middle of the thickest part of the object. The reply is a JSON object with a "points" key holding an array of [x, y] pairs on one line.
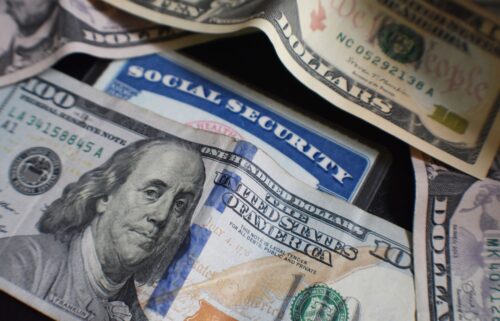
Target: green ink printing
{"points": [[319, 302]]}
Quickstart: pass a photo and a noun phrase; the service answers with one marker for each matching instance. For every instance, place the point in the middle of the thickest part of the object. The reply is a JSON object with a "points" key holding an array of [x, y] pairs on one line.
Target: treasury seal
{"points": [[35, 170], [400, 43], [319, 302]]}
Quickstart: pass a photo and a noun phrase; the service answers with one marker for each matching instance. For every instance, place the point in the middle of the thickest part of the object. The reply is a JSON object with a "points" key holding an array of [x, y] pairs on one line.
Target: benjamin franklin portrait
{"points": [[118, 225]]}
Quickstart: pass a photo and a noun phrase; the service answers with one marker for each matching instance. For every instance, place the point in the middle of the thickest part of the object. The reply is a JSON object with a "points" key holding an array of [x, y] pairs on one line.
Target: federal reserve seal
{"points": [[35, 170], [319, 302], [401, 43]]}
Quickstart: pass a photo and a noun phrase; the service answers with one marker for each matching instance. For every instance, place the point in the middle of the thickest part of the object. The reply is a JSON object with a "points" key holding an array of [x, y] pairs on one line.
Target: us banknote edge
{"points": [[419, 241]]}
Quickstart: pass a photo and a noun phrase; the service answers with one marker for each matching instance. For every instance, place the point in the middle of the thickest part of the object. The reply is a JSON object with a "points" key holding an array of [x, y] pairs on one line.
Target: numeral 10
{"points": [[393, 255]]}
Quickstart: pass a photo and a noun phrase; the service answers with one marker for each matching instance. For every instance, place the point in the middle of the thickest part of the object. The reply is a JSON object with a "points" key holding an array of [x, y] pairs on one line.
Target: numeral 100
{"points": [[47, 91]]}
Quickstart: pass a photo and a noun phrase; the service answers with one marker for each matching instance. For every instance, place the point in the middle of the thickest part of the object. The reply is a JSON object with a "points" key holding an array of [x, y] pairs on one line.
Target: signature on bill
{"points": [[6, 206]]}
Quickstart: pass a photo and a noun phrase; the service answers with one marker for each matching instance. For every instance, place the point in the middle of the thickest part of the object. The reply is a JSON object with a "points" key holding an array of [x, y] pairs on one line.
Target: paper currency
{"points": [[424, 71], [456, 243], [37, 33], [326, 159], [111, 212]]}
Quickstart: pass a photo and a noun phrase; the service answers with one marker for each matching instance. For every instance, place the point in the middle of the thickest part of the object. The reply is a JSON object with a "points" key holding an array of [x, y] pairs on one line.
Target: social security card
{"points": [[182, 90]]}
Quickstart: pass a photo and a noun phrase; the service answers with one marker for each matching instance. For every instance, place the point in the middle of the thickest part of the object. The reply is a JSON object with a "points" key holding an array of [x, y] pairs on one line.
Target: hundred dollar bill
{"points": [[180, 89], [424, 71], [37, 33], [456, 243], [111, 212]]}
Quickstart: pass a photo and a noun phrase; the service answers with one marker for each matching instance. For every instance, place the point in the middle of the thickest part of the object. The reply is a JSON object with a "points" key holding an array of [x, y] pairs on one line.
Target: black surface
{"points": [[251, 59]]}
